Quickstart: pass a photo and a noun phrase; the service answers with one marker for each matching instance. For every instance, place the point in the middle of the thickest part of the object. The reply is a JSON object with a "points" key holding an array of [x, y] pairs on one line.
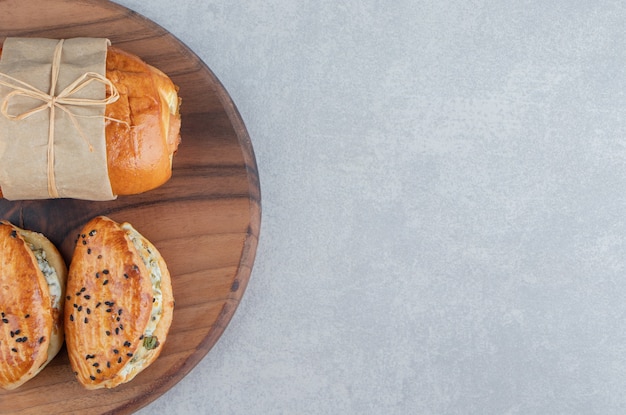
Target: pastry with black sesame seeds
{"points": [[122, 279], [32, 290]]}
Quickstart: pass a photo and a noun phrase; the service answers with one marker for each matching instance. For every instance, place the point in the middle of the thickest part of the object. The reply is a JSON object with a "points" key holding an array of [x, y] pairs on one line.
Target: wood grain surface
{"points": [[205, 221]]}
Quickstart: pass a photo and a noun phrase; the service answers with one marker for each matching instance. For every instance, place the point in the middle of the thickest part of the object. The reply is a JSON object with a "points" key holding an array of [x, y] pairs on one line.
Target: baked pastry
{"points": [[140, 150], [119, 304], [142, 128], [32, 286]]}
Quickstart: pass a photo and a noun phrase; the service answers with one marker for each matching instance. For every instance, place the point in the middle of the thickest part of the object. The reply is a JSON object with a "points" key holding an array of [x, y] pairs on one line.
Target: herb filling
{"points": [[152, 263], [49, 273]]}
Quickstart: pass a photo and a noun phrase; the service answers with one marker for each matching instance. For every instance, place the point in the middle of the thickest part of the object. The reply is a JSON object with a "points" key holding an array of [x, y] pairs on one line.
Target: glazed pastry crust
{"points": [[109, 304], [31, 331], [140, 149]]}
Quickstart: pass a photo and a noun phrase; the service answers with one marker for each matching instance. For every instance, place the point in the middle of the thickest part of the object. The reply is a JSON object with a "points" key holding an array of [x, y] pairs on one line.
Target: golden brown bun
{"points": [[31, 329], [140, 153], [109, 310], [140, 149]]}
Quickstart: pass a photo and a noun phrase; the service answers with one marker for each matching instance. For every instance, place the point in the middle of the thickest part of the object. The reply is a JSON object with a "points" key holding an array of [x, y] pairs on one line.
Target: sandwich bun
{"points": [[32, 287], [140, 150], [120, 304], [142, 141]]}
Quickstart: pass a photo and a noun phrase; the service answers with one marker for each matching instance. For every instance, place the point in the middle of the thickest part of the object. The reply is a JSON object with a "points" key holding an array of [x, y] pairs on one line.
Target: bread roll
{"points": [[140, 153], [140, 149], [119, 305], [32, 286]]}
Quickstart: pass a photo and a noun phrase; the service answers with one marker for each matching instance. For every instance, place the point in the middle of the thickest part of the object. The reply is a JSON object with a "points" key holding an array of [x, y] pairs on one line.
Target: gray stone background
{"points": [[443, 206]]}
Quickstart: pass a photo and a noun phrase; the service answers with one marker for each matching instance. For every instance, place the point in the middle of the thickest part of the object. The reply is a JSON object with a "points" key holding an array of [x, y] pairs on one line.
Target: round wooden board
{"points": [[205, 220]]}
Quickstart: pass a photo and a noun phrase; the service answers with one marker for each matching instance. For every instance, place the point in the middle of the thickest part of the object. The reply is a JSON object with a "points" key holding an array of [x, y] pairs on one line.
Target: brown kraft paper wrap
{"points": [[52, 137]]}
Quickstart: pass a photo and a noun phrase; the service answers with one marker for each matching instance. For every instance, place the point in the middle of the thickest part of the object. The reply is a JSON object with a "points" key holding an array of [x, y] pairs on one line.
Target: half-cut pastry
{"points": [[32, 286], [119, 304]]}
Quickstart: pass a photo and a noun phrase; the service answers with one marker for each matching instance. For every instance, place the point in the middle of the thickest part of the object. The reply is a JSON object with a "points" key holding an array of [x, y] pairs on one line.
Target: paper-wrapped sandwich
{"points": [[119, 304], [32, 286], [141, 118]]}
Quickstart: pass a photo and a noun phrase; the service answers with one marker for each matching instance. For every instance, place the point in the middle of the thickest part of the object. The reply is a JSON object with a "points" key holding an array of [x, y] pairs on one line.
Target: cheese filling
{"points": [[152, 263], [50, 274]]}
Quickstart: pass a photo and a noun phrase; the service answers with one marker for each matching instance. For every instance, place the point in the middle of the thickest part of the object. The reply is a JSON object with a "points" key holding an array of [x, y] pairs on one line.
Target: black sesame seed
{"points": [[108, 310], [78, 293], [71, 317], [87, 297], [119, 312], [129, 354], [83, 236], [109, 365], [117, 330], [12, 334], [108, 333], [92, 232], [89, 356], [92, 377], [116, 351], [82, 290], [14, 350], [98, 371], [105, 271], [88, 311], [80, 308], [99, 304], [97, 275], [153, 299], [75, 305], [105, 282], [86, 320], [96, 364], [41, 339], [127, 343], [141, 337], [119, 360], [18, 331], [125, 275], [27, 316], [68, 297], [88, 251], [121, 327], [5, 320], [84, 242], [109, 303]]}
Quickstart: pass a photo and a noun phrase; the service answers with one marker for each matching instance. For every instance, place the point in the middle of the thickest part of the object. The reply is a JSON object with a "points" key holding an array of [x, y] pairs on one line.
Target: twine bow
{"points": [[52, 100]]}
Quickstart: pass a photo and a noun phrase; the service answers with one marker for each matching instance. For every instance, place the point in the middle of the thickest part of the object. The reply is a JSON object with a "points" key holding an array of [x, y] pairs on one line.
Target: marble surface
{"points": [[443, 206]]}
